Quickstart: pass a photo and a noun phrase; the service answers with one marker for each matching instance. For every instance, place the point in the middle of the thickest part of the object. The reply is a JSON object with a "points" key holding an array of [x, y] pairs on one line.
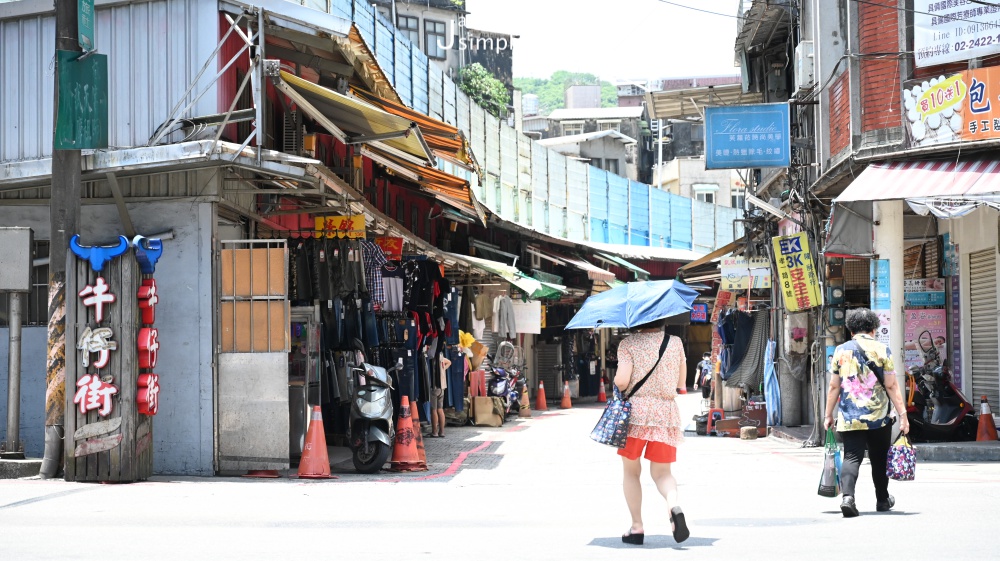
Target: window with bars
{"points": [[35, 311]]}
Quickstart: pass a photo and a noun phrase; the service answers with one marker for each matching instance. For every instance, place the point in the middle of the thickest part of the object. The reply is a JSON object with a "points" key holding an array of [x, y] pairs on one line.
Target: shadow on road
{"points": [[876, 513], [653, 542]]}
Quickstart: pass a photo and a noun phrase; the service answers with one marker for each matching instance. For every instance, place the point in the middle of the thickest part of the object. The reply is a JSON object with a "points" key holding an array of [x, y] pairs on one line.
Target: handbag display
{"points": [[901, 464], [829, 479], [612, 428]]}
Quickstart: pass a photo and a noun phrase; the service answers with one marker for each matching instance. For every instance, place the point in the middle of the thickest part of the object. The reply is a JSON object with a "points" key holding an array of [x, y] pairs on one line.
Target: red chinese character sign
{"points": [[117, 392]]}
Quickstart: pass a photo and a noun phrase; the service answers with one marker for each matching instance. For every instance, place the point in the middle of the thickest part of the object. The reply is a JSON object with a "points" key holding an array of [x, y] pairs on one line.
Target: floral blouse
{"points": [[655, 415], [864, 403]]}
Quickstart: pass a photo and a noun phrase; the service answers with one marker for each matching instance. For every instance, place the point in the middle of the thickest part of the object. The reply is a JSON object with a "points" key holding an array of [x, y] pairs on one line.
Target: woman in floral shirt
{"points": [[863, 421]]}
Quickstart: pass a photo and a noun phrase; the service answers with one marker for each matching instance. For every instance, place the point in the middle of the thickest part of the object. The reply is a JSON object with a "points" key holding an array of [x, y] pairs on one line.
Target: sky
{"points": [[614, 39]]}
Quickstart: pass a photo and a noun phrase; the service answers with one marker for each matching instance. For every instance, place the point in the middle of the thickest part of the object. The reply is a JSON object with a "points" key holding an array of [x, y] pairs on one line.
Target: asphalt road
{"points": [[536, 489]]}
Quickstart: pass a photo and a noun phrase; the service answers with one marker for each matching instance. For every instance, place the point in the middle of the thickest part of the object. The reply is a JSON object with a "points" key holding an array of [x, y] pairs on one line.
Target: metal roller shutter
{"points": [[983, 304], [547, 358]]}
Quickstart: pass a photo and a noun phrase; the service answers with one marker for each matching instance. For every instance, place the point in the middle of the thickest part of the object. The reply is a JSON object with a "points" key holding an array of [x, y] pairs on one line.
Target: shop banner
{"points": [[925, 329], [699, 313], [797, 273], [341, 226], [881, 298], [391, 247], [960, 107], [924, 293], [954, 30], [747, 136], [956, 332], [740, 273], [528, 317]]}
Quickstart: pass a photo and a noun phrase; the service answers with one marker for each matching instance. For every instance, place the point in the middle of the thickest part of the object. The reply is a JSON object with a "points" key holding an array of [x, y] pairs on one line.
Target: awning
{"points": [[593, 271], [446, 188], [924, 178], [353, 121], [438, 134], [640, 273], [532, 287], [721, 252], [691, 102]]}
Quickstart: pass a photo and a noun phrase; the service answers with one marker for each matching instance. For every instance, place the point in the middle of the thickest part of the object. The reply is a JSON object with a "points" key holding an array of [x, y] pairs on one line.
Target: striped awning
{"points": [[924, 178]]}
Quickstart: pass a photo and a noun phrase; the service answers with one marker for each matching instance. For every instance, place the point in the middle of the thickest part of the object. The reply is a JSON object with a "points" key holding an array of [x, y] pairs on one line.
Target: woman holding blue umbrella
{"points": [[649, 354]]}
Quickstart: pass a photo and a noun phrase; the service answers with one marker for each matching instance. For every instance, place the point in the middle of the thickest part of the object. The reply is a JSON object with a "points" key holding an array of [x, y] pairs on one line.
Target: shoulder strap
{"points": [[663, 348]]}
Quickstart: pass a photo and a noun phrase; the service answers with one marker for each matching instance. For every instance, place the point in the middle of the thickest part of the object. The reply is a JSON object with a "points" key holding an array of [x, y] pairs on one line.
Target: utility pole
{"points": [[64, 220]]}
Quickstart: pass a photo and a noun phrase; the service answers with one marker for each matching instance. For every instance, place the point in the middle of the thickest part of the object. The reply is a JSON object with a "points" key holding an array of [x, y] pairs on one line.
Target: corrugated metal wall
{"points": [[154, 50]]}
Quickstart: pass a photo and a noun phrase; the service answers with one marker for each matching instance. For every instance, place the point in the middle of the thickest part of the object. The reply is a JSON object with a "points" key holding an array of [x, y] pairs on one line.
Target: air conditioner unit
{"points": [[805, 67]]}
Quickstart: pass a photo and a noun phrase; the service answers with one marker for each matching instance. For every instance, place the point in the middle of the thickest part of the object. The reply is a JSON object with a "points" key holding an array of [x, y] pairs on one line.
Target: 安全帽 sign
{"points": [[954, 30], [747, 136]]}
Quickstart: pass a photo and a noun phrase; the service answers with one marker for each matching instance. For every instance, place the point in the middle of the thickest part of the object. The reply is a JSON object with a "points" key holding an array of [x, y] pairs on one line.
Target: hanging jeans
{"points": [[369, 331], [877, 442], [456, 379]]}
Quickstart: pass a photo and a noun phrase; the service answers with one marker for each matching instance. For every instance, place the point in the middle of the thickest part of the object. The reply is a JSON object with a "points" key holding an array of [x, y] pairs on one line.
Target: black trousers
{"points": [[877, 442]]}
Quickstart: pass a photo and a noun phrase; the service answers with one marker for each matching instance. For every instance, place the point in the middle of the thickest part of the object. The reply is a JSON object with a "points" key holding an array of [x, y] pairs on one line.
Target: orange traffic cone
{"points": [[315, 462], [540, 403], [602, 397], [418, 437], [404, 454], [567, 403], [525, 410], [987, 427]]}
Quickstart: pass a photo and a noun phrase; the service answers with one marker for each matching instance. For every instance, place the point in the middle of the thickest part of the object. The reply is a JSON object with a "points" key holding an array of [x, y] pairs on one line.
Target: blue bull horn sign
{"points": [[98, 255]]}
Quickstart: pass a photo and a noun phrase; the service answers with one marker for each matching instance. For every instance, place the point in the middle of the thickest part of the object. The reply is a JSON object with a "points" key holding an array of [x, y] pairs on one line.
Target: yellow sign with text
{"points": [[797, 273], [341, 226]]}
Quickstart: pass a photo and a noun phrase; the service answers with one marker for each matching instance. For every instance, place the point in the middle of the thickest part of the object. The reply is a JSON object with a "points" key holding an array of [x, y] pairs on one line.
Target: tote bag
{"points": [[612, 428]]}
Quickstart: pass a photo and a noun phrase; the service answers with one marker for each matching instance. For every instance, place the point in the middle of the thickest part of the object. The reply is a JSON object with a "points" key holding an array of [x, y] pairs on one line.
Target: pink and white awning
{"points": [[918, 179]]}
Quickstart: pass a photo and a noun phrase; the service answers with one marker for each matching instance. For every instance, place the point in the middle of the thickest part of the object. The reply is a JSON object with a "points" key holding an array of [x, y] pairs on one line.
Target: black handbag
{"points": [[612, 428]]}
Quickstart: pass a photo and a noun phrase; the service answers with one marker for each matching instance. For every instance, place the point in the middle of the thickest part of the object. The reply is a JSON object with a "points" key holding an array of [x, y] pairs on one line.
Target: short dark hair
{"points": [[658, 324], [862, 320]]}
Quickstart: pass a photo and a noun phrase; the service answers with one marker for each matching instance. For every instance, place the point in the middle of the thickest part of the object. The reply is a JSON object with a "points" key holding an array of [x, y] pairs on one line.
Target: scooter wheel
{"points": [[372, 459]]}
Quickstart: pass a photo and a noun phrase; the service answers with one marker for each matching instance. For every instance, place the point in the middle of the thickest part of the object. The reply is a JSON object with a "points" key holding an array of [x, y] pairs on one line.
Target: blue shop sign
{"points": [[747, 136], [699, 313]]}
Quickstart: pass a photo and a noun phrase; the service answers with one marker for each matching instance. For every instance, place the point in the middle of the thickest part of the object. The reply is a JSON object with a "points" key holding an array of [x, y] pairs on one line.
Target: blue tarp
{"points": [[617, 209], [681, 236], [660, 218], [639, 213]]}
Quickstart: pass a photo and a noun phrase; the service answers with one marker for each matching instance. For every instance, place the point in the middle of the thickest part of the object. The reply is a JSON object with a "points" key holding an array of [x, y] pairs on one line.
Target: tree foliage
{"points": [[551, 92], [484, 89]]}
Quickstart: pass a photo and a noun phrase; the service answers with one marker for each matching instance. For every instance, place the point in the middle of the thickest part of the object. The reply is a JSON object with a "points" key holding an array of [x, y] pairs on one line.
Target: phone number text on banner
{"points": [[797, 273]]}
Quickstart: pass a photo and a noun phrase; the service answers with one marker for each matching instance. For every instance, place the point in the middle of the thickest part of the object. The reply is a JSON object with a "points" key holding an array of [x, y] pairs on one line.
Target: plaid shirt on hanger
{"points": [[374, 258]]}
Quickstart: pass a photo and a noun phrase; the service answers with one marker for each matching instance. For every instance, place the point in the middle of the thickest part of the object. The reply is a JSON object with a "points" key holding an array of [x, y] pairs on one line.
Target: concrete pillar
{"points": [[888, 217]]}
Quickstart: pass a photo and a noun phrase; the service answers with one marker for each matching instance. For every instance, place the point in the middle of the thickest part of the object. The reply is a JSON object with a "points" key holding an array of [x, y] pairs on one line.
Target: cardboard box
{"points": [[254, 272], [484, 413], [253, 330]]}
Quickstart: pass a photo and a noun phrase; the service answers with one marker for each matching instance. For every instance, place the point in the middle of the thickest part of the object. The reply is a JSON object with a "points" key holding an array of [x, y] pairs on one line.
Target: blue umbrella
{"points": [[634, 304]]}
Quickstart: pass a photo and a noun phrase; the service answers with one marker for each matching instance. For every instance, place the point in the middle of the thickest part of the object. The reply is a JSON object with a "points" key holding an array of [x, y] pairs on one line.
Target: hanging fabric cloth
{"points": [[772, 393]]}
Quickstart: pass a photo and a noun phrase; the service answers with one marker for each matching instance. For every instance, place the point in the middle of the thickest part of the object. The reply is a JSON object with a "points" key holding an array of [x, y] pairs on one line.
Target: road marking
{"points": [[46, 497], [452, 469]]}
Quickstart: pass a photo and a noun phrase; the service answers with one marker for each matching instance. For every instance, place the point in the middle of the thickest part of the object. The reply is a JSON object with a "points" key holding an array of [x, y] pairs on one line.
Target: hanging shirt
{"points": [[506, 326], [478, 325], [393, 282], [374, 260]]}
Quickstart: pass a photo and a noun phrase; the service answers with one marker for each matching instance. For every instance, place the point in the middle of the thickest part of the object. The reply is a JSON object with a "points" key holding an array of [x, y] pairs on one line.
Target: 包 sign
{"points": [[954, 30], [798, 280], [959, 107], [747, 136], [699, 313]]}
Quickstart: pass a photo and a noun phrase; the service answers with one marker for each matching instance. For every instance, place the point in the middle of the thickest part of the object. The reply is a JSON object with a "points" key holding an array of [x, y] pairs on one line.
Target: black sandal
{"points": [[681, 532], [633, 539]]}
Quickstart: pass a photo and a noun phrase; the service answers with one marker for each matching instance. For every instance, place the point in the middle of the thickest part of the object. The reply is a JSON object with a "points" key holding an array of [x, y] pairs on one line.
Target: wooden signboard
{"points": [[107, 438]]}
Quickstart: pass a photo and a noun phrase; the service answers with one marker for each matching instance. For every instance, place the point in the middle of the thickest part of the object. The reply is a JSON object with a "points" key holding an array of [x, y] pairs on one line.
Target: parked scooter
{"points": [[371, 433], [507, 382], [936, 409]]}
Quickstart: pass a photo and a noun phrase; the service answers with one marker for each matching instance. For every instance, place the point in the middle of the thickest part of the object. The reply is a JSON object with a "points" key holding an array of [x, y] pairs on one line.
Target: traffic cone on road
{"points": [[540, 403], [418, 438], [404, 453], [525, 410], [602, 397], [567, 402], [987, 427], [315, 462]]}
